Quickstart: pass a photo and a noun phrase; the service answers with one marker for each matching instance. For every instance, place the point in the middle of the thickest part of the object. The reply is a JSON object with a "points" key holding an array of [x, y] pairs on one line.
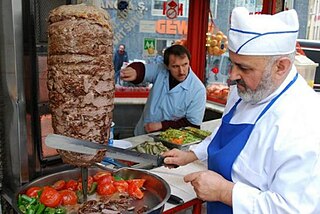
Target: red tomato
{"points": [[121, 186], [71, 185], [50, 197], [106, 189], [33, 192], [135, 191], [90, 181], [69, 197], [100, 174], [137, 181], [59, 185], [106, 179]]}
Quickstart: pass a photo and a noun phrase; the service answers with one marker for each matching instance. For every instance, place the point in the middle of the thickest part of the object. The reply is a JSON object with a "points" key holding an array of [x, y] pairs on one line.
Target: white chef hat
{"points": [[263, 34]]}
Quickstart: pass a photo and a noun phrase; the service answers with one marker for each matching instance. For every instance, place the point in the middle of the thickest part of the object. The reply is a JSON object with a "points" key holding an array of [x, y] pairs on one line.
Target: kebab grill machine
{"points": [[26, 115]]}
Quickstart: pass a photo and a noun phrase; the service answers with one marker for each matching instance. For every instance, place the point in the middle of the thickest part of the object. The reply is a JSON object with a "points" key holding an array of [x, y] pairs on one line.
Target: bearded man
{"points": [[264, 157]]}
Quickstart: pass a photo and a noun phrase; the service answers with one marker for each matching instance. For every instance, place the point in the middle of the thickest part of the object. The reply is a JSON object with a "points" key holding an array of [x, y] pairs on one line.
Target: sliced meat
{"points": [[81, 76]]}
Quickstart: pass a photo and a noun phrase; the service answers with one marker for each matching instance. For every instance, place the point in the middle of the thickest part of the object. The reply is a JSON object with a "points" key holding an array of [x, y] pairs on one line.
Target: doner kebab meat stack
{"points": [[81, 76]]}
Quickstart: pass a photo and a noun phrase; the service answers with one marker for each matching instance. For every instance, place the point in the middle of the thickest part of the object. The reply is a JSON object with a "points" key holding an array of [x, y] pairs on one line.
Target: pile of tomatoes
{"points": [[219, 91], [69, 192]]}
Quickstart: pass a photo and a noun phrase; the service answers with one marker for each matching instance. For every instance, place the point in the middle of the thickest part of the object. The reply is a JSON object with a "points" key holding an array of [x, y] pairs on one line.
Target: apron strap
{"points": [[274, 99]]}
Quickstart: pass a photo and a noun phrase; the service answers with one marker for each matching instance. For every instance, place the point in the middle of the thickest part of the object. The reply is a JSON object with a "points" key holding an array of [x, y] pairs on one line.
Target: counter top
{"points": [[138, 101], [174, 177]]}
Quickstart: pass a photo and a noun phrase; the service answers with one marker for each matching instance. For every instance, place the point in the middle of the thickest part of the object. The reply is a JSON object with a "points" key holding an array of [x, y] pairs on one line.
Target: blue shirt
{"points": [[187, 99]]}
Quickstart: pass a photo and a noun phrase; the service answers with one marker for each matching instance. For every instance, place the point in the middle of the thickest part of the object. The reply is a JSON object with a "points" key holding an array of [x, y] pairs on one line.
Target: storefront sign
{"points": [[172, 9], [149, 46], [109, 4], [172, 27]]}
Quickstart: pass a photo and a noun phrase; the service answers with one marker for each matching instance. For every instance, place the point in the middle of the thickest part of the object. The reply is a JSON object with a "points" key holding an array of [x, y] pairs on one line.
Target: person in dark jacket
{"points": [[119, 58]]}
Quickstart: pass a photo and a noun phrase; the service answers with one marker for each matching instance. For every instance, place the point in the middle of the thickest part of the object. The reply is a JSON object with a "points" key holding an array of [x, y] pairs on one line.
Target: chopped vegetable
{"points": [[149, 147], [47, 200], [40, 208], [59, 185], [178, 136], [93, 188], [50, 197], [106, 189], [198, 132], [71, 185], [69, 197], [33, 192]]}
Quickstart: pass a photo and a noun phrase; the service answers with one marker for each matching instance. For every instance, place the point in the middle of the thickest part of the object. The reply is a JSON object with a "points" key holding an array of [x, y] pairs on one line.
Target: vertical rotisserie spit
{"points": [[80, 76]]}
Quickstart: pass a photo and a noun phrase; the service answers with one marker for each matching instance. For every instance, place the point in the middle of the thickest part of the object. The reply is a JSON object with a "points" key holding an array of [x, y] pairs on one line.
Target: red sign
{"points": [[172, 9]]}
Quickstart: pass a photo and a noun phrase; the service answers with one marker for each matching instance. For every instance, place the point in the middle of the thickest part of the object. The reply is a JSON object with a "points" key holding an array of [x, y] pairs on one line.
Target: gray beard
{"points": [[264, 89]]}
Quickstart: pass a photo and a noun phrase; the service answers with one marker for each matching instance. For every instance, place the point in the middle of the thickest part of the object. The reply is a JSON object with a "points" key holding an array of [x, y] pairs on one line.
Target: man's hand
{"points": [[210, 186], [152, 127], [178, 157], [128, 74]]}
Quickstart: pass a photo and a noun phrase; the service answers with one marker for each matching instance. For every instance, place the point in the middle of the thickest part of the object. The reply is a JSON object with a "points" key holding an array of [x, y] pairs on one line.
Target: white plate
{"points": [[122, 144]]}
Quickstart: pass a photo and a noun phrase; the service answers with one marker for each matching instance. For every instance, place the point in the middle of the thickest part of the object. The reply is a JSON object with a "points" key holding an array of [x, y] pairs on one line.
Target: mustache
{"points": [[236, 82]]}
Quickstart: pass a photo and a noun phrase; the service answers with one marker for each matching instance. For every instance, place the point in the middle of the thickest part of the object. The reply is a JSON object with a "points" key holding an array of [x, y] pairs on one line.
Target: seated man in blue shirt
{"points": [[177, 98]]}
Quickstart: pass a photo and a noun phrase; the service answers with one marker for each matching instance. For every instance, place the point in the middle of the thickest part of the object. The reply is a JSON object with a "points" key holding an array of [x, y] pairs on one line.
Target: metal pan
{"points": [[157, 191]]}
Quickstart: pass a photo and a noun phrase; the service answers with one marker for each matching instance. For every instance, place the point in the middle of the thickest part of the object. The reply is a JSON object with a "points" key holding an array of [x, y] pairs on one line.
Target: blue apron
{"points": [[227, 145]]}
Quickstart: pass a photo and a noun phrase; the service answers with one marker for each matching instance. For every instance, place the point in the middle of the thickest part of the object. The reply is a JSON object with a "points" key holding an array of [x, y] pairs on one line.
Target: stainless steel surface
{"points": [[19, 75], [12, 63], [157, 191], [87, 147]]}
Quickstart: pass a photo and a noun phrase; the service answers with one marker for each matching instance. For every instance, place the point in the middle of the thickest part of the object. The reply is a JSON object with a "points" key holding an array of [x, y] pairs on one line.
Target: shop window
{"points": [[213, 8], [254, 6], [145, 32], [218, 65]]}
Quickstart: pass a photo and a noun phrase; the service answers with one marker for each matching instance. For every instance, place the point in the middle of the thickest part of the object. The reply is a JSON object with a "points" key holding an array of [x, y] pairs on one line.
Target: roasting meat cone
{"points": [[81, 76]]}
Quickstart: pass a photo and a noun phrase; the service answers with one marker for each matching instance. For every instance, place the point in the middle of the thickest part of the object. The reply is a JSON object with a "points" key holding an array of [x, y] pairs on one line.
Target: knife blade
{"points": [[87, 147]]}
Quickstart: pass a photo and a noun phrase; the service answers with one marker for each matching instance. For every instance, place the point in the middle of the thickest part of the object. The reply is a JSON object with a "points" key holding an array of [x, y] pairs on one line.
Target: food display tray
{"points": [[172, 145]]}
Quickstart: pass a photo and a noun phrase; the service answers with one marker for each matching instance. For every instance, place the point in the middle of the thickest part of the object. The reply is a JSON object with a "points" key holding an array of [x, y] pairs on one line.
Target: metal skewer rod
{"points": [[84, 179]]}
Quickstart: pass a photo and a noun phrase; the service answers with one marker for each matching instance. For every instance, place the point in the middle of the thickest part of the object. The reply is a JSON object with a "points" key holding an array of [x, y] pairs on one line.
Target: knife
{"points": [[87, 147]]}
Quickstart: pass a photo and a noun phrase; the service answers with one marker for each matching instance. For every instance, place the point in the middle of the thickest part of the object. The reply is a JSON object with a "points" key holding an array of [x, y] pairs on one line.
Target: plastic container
{"points": [[306, 68]]}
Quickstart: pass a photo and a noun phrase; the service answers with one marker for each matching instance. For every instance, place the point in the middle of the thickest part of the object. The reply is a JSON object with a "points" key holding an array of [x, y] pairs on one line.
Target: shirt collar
{"points": [[185, 84]]}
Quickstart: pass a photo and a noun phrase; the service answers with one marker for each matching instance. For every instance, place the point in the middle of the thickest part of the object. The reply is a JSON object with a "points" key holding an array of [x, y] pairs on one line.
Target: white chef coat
{"points": [[278, 170], [187, 99]]}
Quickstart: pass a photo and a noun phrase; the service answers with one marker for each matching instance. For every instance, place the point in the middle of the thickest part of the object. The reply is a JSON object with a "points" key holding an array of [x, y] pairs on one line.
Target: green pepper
{"points": [[27, 198], [31, 207], [19, 200], [31, 210], [22, 208], [40, 208], [49, 210], [79, 196], [61, 210], [93, 188], [40, 192], [32, 203], [117, 178], [36, 206]]}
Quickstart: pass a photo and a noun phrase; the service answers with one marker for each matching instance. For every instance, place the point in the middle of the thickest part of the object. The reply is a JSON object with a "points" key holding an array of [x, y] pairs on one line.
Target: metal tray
{"points": [[157, 190], [172, 145]]}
